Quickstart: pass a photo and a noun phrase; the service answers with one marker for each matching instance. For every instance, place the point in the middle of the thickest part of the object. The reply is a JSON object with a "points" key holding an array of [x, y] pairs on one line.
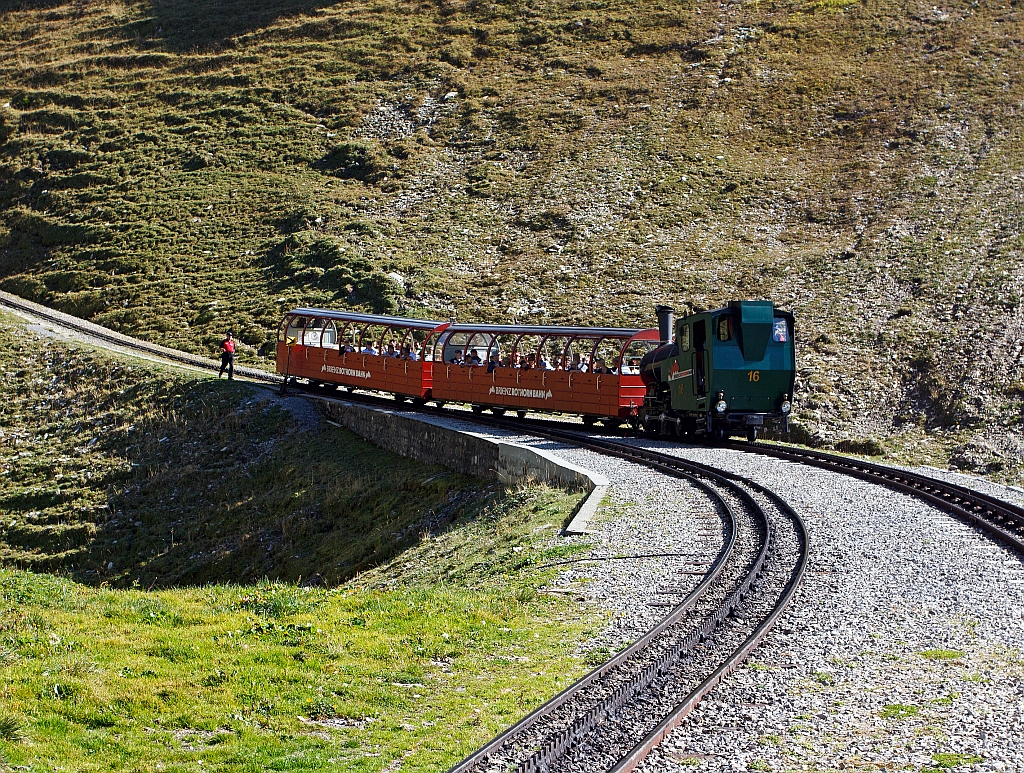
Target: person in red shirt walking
{"points": [[227, 357]]}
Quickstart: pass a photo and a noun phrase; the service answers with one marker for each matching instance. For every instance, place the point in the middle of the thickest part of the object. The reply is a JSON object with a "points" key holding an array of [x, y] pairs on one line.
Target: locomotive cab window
{"points": [[683, 338], [780, 331], [723, 328]]}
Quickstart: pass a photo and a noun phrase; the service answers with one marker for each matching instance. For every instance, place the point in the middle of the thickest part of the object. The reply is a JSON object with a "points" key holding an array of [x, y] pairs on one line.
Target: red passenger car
{"points": [[583, 370], [590, 371], [353, 350]]}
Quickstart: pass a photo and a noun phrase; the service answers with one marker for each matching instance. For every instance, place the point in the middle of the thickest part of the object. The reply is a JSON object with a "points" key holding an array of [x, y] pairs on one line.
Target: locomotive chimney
{"points": [[666, 323]]}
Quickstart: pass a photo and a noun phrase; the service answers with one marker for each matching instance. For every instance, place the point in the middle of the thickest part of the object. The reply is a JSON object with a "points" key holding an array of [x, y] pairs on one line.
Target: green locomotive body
{"points": [[721, 373]]}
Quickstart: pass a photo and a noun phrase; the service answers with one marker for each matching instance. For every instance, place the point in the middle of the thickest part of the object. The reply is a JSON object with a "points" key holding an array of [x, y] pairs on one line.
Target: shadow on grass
{"points": [[29, 5], [201, 25], [162, 480]]}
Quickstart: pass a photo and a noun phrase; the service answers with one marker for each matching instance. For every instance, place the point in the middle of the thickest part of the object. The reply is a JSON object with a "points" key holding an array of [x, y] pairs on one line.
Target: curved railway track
{"points": [[615, 715], [1003, 520]]}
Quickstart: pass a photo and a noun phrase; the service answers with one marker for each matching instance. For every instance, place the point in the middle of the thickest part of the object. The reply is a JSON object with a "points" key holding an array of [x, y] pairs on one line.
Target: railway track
{"points": [[108, 336]]}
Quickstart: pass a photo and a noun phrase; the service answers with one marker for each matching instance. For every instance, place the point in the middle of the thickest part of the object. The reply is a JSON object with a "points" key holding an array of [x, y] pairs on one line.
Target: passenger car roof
{"points": [[373, 319], [548, 330]]}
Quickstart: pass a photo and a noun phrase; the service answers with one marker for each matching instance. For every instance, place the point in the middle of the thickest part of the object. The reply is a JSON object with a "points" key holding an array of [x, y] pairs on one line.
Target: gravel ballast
{"points": [[902, 650]]}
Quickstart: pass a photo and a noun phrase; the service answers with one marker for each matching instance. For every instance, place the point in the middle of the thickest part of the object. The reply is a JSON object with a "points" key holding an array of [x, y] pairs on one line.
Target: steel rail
{"points": [[119, 339], [482, 754]]}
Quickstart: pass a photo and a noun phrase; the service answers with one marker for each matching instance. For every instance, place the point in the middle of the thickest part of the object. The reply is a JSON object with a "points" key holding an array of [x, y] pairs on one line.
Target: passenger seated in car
{"points": [[507, 361], [576, 364], [391, 352], [474, 358], [542, 362], [348, 349], [457, 359], [600, 367], [526, 363], [369, 349], [408, 353], [494, 362]]}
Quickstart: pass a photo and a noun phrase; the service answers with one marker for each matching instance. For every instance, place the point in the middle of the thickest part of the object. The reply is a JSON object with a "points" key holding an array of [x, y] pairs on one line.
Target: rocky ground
{"points": [[903, 649]]}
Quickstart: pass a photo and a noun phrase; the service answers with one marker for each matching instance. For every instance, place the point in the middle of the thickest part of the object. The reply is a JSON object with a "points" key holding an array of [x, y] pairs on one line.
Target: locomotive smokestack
{"points": [[666, 323]]}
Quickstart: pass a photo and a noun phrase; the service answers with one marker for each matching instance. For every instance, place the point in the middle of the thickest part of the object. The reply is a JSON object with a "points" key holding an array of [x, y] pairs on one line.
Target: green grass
{"points": [[176, 168], [274, 676], [945, 761], [941, 654], [424, 635], [899, 711], [823, 678]]}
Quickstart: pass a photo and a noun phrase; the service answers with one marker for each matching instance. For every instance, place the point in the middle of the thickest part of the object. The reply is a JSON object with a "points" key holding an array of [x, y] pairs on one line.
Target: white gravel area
{"points": [[903, 650], [645, 512]]}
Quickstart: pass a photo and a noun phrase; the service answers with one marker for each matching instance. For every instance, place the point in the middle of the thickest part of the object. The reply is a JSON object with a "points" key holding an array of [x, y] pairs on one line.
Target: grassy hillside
{"points": [[196, 576], [173, 168], [115, 473]]}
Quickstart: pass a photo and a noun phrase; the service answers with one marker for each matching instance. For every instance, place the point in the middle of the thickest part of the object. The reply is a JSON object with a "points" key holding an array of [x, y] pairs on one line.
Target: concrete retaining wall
{"points": [[410, 436], [428, 440]]}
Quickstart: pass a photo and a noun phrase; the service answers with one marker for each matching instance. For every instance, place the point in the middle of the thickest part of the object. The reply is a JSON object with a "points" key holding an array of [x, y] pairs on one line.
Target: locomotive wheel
{"points": [[498, 411], [588, 421], [439, 403], [478, 409], [521, 414], [419, 402], [752, 435], [399, 398]]}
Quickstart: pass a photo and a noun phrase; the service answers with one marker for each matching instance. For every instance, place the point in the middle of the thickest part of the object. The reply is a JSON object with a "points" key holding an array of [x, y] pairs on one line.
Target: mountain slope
{"points": [[174, 168]]}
